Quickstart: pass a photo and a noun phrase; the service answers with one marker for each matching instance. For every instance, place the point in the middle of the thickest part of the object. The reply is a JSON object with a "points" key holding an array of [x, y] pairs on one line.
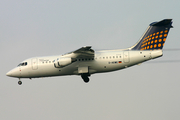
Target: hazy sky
{"points": [[30, 28]]}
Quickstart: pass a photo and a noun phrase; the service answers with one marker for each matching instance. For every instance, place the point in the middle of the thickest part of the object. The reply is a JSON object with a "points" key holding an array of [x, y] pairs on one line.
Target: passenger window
{"points": [[25, 63]]}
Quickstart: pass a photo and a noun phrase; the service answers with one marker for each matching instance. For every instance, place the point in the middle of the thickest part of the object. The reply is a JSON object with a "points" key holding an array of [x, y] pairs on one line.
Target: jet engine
{"points": [[62, 62]]}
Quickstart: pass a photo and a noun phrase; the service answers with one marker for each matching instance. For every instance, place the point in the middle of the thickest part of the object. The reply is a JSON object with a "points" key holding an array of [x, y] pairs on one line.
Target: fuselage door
{"points": [[126, 56], [34, 63]]}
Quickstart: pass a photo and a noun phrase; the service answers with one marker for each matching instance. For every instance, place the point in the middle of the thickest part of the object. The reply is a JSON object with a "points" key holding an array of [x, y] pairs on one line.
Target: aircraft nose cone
{"points": [[14, 73], [9, 74]]}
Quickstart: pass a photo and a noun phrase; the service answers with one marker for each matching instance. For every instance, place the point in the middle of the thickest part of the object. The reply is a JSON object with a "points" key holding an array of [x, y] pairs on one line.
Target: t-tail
{"points": [[155, 36]]}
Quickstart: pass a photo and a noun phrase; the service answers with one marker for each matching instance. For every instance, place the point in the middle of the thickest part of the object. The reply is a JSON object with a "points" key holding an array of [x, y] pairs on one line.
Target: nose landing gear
{"points": [[20, 82]]}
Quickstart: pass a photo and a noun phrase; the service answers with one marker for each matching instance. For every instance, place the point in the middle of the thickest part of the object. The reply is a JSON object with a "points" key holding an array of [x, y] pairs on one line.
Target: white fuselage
{"points": [[103, 61]]}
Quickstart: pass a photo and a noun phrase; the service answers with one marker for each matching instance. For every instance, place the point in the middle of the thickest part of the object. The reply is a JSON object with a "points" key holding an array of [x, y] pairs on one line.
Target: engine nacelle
{"points": [[62, 62]]}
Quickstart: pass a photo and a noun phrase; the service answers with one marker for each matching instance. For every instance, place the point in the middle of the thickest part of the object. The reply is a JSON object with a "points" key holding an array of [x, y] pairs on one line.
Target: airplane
{"points": [[85, 61]]}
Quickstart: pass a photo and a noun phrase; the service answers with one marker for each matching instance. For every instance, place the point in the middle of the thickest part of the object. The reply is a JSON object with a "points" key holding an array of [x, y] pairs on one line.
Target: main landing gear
{"points": [[85, 76], [20, 82]]}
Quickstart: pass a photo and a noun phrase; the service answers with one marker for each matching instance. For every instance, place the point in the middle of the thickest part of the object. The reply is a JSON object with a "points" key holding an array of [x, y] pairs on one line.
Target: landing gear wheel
{"points": [[85, 77], [20, 82], [86, 80]]}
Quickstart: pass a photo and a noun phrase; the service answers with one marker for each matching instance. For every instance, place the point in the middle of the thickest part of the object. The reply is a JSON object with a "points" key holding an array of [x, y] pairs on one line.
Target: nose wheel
{"points": [[20, 82]]}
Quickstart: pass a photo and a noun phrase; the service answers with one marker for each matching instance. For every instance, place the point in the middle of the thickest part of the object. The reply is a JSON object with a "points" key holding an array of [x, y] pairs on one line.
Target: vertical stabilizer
{"points": [[155, 36]]}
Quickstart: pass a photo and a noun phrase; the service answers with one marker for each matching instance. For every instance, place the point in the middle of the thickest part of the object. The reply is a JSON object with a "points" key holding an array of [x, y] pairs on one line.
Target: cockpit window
{"points": [[22, 64]]}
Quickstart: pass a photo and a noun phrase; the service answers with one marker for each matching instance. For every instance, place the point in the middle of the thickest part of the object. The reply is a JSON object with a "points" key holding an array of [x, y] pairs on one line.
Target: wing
{"points": [[84, 52]]}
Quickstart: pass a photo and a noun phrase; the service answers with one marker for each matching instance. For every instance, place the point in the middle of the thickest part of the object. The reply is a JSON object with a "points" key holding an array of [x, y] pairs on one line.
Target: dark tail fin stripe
{"points": [[155, 36]]}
